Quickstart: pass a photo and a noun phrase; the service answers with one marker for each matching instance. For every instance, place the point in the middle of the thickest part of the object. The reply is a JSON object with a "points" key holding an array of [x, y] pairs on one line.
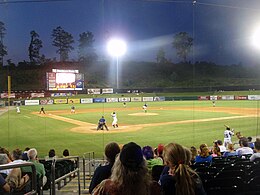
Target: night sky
{"points": [[222, 29]]}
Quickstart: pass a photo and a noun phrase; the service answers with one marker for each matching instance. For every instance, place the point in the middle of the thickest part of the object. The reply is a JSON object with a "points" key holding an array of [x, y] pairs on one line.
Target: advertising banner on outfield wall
{"points": [[37, 95], [111, 99], [44, 102], [60, 101], [107, 90], [86, 100], [94, 91], [73, 101], [99, 100], [203, 98], [147, 99], [136, 99], [214, 97], [31, 102], [227, 97], [124, 99], [159, 99], [240, 97], [254, 97]]}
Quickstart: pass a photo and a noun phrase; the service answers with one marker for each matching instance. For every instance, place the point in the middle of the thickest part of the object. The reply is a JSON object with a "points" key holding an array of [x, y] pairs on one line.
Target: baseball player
{"points": [[145, 107], [72, 109], [18, 109], [42, 110], [114, 123], [227, 135]]}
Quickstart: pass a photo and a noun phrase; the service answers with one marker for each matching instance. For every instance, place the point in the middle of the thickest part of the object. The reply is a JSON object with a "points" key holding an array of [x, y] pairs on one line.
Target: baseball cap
{"points": [[131, 156]]}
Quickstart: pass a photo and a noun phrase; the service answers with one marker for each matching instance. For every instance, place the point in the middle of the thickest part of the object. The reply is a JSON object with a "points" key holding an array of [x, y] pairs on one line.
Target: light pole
{"points": [[116, 48]]}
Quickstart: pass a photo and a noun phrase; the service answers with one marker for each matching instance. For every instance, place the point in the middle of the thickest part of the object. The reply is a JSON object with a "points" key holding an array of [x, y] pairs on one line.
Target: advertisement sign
{"points": [[240, 97], [107, 90], [159, 99], [228, 97], [147, 99], [86, 100], [60, 101], [136, 99], [99, 100], [124, 99], [94, 91], [5, 95], [254, 97], [111, 100], [44, 102], [203, 98], [73, 101], [31, 102]]}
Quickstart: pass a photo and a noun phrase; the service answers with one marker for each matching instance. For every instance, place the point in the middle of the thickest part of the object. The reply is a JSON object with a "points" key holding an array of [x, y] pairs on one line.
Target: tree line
{"points": [[63, 40]]}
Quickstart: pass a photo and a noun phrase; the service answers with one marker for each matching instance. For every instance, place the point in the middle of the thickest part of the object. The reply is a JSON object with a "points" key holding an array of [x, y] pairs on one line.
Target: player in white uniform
{"points": [[227, 136], [114, 123], [18, 109]]}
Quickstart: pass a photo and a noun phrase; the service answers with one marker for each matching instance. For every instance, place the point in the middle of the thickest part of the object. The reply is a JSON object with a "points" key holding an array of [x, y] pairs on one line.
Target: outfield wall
{"points": [[127, 99]]}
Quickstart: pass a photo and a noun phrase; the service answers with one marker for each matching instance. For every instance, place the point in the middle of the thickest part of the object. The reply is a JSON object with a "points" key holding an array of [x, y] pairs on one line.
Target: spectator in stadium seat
{"points": [[257, 151], [221, 146], [16, 156], [250, 143], [66, 153], [204, 155], [194, 153], [216, 151], [104, 172], [129, 175], [4, 160], [244, 149], [40, 170], [52, 155], [149, 157], [181, 179], [230, 151], [24, 155]]}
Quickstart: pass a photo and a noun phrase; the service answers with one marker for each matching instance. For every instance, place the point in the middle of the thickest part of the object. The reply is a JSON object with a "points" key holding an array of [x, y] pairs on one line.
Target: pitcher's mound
{"points": [[143, 114]]}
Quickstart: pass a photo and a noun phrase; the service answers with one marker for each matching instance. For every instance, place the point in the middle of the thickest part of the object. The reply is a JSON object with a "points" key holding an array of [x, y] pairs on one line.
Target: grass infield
{"points": [[185, 122]]}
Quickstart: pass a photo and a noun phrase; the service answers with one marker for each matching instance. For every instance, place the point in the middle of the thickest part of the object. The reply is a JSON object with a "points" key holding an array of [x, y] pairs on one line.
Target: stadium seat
{"points": [[225, 186]]}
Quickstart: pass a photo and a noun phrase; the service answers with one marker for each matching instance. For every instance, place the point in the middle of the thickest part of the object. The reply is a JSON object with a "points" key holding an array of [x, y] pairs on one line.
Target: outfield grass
{"points": [[33, 130]]}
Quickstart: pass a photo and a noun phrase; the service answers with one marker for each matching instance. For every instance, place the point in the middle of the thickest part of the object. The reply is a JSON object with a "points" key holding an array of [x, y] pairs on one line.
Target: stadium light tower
{"points": [[116, 48]]}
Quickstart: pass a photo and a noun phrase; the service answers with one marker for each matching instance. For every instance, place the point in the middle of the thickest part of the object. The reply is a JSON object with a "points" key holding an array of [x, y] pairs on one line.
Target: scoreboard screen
{"points": [[61, 80]]}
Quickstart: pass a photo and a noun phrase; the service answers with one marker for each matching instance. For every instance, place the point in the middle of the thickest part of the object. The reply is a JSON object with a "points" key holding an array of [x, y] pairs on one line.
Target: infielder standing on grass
{"points": [[114, 123], [227, 136]]}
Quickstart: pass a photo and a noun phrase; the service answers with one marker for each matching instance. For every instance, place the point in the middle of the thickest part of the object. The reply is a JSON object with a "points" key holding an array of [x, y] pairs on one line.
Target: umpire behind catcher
{"points": [[102, 124]]}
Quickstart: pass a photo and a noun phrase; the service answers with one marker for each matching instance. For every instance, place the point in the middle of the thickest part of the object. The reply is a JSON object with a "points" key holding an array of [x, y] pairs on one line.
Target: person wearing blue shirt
{"points": [[102, 124]]}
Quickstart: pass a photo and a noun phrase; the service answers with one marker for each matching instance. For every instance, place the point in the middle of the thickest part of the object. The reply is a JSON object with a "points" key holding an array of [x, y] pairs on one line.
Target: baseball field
{"points": [[186, 122]]}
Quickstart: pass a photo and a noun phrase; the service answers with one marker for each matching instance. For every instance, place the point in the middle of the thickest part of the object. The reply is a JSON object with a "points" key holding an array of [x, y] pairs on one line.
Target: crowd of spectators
{"points": [[130, 169], [17, 179]]}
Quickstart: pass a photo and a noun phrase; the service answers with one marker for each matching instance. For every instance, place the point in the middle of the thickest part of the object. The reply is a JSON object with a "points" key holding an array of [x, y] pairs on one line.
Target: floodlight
{"points": [[116, 47]]}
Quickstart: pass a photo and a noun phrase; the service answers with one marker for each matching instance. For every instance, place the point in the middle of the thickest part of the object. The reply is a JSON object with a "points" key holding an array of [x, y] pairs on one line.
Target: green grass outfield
{"points": [[30, 129]]}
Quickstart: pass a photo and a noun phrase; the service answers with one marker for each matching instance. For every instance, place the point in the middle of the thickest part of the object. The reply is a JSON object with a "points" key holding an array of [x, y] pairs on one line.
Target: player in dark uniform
{"points": [[102, 124], [42, 110], [72, 109]]}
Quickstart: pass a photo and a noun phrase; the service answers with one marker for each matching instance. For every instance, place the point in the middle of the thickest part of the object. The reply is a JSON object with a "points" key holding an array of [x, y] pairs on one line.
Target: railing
{"points": [[62, 178], [24, 164], [90, 157]]}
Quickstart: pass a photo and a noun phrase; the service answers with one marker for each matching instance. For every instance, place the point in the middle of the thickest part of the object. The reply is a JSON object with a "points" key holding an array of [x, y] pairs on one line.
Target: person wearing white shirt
{"points": [[244, 148]]}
